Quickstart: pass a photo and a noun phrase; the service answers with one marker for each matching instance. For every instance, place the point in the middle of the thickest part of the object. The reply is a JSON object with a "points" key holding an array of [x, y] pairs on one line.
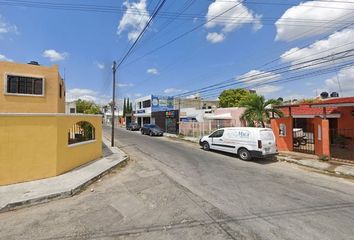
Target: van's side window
{"points": [[217, 134]]}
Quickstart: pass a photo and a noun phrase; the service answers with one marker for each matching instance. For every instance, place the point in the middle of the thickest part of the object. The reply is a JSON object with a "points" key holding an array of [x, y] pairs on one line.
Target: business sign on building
{"points": [[161, 103]]}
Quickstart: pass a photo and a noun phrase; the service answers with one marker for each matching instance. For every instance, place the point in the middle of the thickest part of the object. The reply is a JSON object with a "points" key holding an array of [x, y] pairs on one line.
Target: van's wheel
{"points": [[150, 134], [244, 154], [206, 146], [142, 132]]}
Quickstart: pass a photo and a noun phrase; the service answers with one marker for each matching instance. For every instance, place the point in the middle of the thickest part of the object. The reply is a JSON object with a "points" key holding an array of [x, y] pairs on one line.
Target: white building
{"points": [[70, 107], [143, 110], [145, 106]]}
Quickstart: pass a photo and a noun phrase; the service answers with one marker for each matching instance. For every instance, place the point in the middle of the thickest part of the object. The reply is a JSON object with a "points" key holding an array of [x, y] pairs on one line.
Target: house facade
{"points": [[324, 128], [29, 88], [37, 138]]}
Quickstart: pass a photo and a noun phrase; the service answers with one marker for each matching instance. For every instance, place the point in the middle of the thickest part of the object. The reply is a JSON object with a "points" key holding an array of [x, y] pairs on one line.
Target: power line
{"points": [[262, 75], [141, 33], [115, 9], [293, 78], [186, 33]]}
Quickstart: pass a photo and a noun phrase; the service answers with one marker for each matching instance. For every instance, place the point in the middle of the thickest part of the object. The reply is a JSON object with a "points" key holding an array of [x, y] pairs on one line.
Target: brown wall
{"points": [[49, 103]]}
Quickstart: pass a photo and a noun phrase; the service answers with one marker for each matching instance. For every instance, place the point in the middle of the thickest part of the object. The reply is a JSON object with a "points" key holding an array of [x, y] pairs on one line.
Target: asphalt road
{"points": [[255, 200], [174, 190]]}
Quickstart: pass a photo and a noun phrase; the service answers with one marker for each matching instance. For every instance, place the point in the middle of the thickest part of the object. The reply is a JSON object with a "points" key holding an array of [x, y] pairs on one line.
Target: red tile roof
{"points": [[305, 109], [335, 100]]}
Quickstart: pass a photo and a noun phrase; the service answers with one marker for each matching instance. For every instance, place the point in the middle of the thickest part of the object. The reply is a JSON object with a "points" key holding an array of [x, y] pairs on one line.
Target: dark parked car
{"points": [[133, 127], [152, 130]]}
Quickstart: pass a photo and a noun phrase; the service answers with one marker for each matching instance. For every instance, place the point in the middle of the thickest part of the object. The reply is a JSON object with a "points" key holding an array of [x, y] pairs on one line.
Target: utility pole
{"points": [[114, 68]]}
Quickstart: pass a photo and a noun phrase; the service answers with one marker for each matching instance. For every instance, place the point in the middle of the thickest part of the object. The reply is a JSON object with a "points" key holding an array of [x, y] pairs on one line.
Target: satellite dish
{"points": [[324, 95], [334, 94]]}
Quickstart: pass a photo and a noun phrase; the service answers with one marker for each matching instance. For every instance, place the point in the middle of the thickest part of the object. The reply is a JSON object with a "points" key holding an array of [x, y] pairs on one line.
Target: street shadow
{"points": [[106, 151], [262, 161]]}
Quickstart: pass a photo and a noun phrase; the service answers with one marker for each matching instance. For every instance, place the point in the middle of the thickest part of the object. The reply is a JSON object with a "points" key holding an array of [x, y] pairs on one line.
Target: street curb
{"points": [[337, 171], [66, 194], [186, 139]]}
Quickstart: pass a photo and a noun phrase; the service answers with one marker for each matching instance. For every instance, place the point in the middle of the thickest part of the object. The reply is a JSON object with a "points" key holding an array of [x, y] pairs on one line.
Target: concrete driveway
{"points": [[174, 190]]}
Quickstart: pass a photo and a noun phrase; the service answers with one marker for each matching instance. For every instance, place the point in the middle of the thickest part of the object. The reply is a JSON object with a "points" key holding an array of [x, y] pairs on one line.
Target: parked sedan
{"points": [[152, 130], [133, 127]]}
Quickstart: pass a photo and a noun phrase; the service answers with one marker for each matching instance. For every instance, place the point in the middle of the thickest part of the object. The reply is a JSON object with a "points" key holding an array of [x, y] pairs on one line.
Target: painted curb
{"points": [[336, 172]]}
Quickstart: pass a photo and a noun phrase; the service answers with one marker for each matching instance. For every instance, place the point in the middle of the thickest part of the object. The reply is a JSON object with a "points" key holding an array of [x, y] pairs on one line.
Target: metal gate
{"points": [[304, 141], [171, 125], [342, 143]]}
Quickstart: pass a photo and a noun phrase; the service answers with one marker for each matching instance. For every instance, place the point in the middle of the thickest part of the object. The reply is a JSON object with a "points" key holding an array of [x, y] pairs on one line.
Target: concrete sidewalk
{"points": [[312, 162], [66, 185]]}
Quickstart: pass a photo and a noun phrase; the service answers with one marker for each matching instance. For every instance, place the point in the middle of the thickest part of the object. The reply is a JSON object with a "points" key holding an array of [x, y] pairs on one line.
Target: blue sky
{"points": [[84, 44]]}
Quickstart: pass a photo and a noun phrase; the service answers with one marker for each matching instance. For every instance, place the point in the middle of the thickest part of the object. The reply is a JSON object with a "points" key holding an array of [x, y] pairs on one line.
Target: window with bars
{"points": [[24, 85], [81, 132]]}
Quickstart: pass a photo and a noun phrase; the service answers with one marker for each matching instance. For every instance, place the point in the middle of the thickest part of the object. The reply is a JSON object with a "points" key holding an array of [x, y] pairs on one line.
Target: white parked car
{"points": [[246, 142]]}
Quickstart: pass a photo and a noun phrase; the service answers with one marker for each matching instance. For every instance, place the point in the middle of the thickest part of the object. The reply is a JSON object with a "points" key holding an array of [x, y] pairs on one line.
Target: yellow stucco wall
{"points": [[49, 103], [76, 155], [36, 146]]}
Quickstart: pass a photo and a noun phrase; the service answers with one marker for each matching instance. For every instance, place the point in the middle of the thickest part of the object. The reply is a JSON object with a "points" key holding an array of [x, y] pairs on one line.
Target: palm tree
{"points": [[258, 110]]}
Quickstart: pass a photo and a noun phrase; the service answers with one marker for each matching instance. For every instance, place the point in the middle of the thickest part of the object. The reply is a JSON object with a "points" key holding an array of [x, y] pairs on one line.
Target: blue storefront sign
{"points": [[140, 111], [161, 103]]}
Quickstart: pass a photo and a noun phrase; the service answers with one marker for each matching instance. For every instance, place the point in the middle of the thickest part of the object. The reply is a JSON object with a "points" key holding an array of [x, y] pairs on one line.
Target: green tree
{"points": [[233, 97], [128, 106], [124, 107], [258, 110], [131, 107], [87, 107]]}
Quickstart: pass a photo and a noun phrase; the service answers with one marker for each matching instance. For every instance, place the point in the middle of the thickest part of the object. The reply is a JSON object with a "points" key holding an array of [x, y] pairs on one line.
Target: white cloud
{"points": [[125, 85], [215, 37], [134, 23], [100, 65], [152, 71], [6, 27], [88, 95], [256, 76], [54, 56], [138, 95], [321, 48], [268, 89], [193, 96], [84, 94], [172, 90], [346, 82], [230, 20], [4, 58], [257, 80], [312, 18]]}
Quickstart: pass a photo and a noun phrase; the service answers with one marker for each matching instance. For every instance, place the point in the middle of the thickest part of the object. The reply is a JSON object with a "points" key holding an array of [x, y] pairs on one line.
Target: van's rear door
{"points": [[268, 141]]}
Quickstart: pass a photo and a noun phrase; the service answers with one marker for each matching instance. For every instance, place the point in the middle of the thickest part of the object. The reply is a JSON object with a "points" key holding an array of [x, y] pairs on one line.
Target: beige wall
{"points": [[49, 103]]}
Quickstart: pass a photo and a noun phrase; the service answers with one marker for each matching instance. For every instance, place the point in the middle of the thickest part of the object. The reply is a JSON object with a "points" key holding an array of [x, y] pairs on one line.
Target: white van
{"points": [[247, 142]]}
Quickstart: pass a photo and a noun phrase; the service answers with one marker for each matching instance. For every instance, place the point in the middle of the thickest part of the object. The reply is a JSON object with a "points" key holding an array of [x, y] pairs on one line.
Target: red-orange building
{"points": [[322, 128]]}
